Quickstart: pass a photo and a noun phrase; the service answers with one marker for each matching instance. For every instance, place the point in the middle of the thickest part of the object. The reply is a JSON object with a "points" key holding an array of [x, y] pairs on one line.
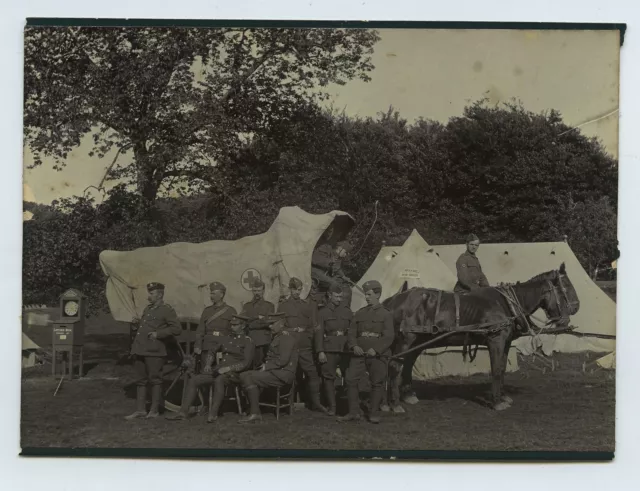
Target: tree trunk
{"points": [[147, 186]]}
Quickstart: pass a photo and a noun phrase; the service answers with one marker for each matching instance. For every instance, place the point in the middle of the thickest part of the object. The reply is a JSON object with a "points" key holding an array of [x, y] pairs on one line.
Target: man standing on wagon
{"points": [[369, 340], [470, 275]]}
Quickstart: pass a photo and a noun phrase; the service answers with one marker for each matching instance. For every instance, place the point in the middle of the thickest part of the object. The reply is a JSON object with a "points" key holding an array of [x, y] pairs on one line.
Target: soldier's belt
{"points": [[335, 333], [369, 335]]}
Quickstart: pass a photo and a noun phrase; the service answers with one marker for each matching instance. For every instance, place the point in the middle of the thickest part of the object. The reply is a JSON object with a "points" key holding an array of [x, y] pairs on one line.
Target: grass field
{"points": [[565, 410]]}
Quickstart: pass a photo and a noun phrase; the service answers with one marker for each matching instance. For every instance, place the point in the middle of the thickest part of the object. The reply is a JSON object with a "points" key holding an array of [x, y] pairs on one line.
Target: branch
{"points": [[125, 147]]}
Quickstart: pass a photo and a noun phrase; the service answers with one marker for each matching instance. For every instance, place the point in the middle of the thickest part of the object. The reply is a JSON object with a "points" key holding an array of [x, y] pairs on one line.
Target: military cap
{"points": [[295, 283], [372, 285], [216, 285], [335, 288], [257, 283], [472, 237], [275, 317], [155, 286], [239, 319]]}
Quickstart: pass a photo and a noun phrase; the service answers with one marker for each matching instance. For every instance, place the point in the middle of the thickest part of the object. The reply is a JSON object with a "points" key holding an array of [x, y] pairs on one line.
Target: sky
{"points": [[434, 74]]}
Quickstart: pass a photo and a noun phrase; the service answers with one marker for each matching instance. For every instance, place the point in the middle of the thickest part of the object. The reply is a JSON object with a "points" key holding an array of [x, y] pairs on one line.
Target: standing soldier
{"points": [[369, 339], [215, 321], [257, 310], [301, 321], [470, 275], [330, 341], [158, 324], [279, 368], [237, 356]]}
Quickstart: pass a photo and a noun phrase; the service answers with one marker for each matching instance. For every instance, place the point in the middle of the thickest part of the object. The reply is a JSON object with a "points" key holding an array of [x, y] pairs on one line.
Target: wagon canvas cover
{"points": [[186, 269]]}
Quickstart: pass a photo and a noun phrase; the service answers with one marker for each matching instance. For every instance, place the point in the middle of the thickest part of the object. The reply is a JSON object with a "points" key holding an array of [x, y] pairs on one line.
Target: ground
{"points": [[562, 410]]}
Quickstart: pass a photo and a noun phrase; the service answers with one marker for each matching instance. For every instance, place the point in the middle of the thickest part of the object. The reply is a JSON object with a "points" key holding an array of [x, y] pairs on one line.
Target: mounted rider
{"points": [[470, 275]]}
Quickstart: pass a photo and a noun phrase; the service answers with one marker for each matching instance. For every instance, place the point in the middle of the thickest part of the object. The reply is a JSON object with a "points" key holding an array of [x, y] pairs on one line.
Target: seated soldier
{"points": [[237, 356], [279, 368]]}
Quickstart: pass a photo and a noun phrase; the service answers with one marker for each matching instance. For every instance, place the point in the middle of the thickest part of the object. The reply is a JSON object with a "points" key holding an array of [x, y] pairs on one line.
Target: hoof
{"points": [[412, 399], [398, 409], [384, 408], [501, 406], [507, 399]]}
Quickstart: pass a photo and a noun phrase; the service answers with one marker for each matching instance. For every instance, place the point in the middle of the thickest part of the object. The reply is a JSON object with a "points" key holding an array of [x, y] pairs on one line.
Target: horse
{"points": [[494, 315]]}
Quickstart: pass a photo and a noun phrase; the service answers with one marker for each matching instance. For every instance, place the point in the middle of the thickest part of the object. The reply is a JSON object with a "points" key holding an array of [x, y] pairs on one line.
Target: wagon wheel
{"points": [[175, 379]]}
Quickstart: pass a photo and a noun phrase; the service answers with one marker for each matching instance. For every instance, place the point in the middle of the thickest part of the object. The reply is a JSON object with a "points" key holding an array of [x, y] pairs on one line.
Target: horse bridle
{"points": [[566, 308]]}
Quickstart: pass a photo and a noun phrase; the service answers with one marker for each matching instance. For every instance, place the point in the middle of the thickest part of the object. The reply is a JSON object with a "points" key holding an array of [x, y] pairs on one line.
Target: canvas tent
{"points": [[520, 262], [187, 269], [29, 349], [416, 263]]}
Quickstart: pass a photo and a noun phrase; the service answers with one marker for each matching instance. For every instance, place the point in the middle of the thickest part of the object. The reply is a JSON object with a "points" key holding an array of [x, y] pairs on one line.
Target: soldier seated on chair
{"points": [[279, 368], [237, 353]]}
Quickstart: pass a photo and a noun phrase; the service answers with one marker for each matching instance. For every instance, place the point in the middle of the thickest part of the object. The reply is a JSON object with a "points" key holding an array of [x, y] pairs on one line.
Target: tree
{"points": [[181, 100]]}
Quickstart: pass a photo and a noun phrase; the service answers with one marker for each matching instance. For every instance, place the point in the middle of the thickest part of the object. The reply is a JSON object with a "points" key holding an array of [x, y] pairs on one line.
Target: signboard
{"points": [[410, 273]]}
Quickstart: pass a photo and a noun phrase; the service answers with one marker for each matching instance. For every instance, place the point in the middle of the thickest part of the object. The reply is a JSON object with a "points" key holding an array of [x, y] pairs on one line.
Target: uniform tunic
{"points": [[470, 275], [331, 337], [259, 330], [301, 320], [151, 353], [210, 331], [280, 364], [371, 327], [326, 268]]}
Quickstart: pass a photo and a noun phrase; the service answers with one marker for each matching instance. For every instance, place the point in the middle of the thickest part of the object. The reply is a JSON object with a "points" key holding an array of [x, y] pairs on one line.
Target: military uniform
{"points": [[257, 311], [331, 338], [300, 322], [150, 354], [371, 327], [236, 352], [214, 327], [470, 275], [326, 270], [279, 369]]}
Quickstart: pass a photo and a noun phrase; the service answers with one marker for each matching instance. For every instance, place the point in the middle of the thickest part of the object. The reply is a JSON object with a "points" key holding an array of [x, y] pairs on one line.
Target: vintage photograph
{"points": [[327, 237]]}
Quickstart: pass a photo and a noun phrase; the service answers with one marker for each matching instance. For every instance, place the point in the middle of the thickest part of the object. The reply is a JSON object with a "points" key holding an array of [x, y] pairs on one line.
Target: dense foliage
{"points": [[505, 173]]}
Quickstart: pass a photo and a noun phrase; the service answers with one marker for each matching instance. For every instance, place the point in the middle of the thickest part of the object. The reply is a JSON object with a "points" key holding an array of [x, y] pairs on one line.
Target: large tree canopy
{"points": [[181, 100]]}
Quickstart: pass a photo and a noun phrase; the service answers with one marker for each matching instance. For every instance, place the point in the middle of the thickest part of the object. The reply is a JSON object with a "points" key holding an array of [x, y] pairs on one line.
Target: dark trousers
{"points": [[328, 371], [219, 382], [259, 355], [148, 369], [358, 368], [307, 365]]}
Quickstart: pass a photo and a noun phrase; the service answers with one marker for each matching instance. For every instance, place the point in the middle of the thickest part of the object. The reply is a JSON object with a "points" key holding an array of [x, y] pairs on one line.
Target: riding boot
{"points": [[354, 405], [375, 398], [253, 394], [218, 397], [156, 399], [314, 398], [330, 393], [141, 402]]}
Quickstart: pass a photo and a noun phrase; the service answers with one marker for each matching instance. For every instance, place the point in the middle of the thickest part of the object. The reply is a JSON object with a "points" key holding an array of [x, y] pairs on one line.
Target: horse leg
{"points": [[408, 395], [505, 358], [496, 347]]}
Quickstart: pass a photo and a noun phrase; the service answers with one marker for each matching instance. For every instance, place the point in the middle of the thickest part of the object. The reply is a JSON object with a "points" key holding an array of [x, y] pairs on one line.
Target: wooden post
{"points": [[53, 361], [81, 367], [71, 363]]}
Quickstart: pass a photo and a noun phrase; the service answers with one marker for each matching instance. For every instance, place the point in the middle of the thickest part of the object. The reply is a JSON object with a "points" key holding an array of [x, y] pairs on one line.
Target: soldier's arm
{"points": [[247, 359], [387, 333], [483, 279], [172, 326], [321, 257], [318, 334], [351, 334], [286, 349], [464, 277], [200, 333]]}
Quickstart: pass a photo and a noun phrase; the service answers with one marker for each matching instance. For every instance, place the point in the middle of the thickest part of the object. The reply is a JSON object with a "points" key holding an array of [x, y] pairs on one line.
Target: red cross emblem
{"points": [[248, 276]]}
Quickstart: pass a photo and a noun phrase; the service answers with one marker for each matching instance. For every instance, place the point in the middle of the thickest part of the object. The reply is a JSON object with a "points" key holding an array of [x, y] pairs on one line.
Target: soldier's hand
{"points": [[322, 358], [207, 369], [371, 352], [224, 370], [358, 351], [197, 351], [153, 335], [262, 368]]}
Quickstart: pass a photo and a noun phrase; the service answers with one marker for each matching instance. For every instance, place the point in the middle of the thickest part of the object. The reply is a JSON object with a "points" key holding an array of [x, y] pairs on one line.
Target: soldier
{"points": [[470, 275], [215, 321], [279, 368], [326, 269], [300, 322], [257, 310], [369, 339], [330, 341], [237, 356], [158, 324]]}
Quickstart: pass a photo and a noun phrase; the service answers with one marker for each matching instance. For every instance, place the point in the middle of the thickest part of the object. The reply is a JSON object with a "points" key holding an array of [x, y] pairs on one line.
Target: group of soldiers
{"points": [[265, 347]]}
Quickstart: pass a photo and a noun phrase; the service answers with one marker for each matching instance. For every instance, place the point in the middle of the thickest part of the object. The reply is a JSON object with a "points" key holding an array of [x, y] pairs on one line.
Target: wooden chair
{"points": [[233, 397], [283, 400]]}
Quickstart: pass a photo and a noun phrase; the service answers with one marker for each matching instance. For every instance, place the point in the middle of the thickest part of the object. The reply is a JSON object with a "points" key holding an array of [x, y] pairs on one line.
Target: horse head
{"points": [[560, 299]]}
